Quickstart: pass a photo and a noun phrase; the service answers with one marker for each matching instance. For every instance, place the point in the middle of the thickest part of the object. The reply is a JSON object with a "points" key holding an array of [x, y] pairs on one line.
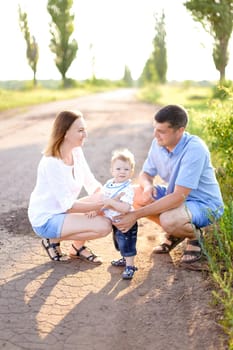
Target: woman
{"points": [[54, 211]]}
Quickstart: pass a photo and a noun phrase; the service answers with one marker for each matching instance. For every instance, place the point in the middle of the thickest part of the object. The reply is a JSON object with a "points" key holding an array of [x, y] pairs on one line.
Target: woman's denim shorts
{"points": [[52, 228]]}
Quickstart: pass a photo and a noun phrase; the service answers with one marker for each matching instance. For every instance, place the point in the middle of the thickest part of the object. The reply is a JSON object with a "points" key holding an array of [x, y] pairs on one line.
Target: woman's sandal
{"points": [[165, 248], [92, 258], [51, 250]]}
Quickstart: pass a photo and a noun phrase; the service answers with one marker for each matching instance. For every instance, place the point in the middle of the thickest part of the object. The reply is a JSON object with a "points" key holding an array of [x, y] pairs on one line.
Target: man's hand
{"points": [[125, 222], [144, 196], [147, 195]]}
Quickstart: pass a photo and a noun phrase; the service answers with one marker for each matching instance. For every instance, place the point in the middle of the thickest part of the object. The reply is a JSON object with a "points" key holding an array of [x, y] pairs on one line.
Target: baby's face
{"points": [[121, 170]]}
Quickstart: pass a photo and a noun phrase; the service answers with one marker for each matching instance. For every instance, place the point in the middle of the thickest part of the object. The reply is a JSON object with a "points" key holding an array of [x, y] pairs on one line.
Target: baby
{"points": [[119, 195]]}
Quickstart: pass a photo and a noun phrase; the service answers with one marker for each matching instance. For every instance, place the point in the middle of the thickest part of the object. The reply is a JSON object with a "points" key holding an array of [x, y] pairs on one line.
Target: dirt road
{"points": [[73, 305]]}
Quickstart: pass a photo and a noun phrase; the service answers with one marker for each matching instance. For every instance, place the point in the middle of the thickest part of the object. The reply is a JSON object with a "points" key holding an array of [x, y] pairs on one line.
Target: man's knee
{"points": [[173, 219], [167, 221]]}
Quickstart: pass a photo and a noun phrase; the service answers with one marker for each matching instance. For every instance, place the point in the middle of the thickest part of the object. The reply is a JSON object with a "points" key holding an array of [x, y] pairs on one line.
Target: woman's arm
{"points": [[121, 207], [80, 206]]}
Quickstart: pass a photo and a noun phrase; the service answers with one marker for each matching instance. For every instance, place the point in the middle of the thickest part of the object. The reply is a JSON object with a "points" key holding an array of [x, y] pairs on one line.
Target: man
{"points": [[191, 198]]}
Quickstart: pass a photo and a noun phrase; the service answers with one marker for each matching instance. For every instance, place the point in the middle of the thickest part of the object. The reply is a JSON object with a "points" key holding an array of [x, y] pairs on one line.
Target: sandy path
{"points": [[73, 305]]}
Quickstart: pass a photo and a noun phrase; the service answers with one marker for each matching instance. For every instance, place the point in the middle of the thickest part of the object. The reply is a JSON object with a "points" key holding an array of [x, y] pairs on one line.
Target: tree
{"points": [[159, 55], [155, 68], [32, 47], [149, 73], [61, 29], [216, 16], [127, 78], [91, 47]]}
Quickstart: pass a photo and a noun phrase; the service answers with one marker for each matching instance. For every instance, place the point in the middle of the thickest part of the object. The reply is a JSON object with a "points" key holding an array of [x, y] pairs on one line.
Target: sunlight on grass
{"points": [[193, 97], [14, 99], [10, 99], [184, 94]]}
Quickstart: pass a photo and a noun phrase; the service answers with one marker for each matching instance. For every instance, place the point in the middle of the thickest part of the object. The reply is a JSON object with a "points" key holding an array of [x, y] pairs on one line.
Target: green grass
{"points": [[193, 97], [15, 99], [23, 94], [186, 94]]}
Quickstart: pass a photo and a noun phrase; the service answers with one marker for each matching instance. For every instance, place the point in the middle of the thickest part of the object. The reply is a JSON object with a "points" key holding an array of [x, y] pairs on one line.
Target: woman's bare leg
{"points": [[79, 228]]}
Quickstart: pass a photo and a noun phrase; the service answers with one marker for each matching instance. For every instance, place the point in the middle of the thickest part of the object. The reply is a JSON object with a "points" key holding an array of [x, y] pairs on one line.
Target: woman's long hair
{"points": [[61, 124]]}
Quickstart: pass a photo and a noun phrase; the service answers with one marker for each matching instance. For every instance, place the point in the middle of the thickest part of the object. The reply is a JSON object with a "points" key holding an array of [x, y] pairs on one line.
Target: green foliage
{"points": [[224, 90], [32, 47], [219, 250], [149, 73], [127, 79], [155, 69], [159, 55], [150, 93], [219, 124], [191, 95], [217, 18], [61, 29], [18, 94]]}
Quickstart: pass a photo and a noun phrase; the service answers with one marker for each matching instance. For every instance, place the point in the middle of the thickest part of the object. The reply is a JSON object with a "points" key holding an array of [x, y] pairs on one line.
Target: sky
{"points": [[119, 32]]}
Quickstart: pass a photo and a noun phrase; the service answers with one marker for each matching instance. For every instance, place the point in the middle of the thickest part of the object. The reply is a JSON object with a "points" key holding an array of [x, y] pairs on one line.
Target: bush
{"points": [[223, 91], [219, 250], [220, 125]]}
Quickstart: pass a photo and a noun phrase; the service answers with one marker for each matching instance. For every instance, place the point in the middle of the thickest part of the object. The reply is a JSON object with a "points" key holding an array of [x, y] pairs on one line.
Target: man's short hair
{"points": [[175, 115]]}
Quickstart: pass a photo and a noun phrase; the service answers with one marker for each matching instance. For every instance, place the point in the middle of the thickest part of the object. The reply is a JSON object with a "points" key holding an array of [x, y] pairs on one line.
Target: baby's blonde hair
{"points": [[125, 155]]}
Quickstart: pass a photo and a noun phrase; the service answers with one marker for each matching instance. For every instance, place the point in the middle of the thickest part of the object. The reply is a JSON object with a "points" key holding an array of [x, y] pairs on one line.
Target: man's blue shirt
{"points": [[188, 165]]}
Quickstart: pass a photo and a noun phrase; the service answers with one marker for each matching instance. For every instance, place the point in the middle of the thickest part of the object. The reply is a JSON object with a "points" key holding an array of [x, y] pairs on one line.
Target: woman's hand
{"points": [[91, 214], [108, 203]]}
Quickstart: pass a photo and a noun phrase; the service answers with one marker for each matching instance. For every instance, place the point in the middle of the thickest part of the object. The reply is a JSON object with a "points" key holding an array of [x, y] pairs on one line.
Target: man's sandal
{"points": [[91, 258], [194, 254], [165, 248], [51, 250], [119, 263]]}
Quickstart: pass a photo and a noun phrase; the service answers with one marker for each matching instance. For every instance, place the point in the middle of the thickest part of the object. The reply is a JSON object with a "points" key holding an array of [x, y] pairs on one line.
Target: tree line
{"points": [[216, 17]]}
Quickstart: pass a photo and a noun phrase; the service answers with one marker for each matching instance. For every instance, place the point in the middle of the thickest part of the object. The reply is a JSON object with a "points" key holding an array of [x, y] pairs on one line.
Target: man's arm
{"points": [[171, 201]]}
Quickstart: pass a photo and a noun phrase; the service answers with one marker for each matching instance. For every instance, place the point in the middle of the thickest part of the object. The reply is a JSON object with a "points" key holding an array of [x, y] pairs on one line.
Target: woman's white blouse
{"points": [[58, 186]]}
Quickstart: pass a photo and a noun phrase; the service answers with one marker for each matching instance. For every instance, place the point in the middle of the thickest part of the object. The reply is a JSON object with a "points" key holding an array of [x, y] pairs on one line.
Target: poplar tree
{"points": [[216, 16], [155, 69], [32, 51], [61, 29], [127, 78], [159, 56]]}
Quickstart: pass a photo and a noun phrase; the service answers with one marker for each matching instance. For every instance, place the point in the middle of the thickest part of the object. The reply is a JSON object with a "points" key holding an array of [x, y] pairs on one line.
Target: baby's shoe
{"points": [[129, 272], [119, 263]]}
